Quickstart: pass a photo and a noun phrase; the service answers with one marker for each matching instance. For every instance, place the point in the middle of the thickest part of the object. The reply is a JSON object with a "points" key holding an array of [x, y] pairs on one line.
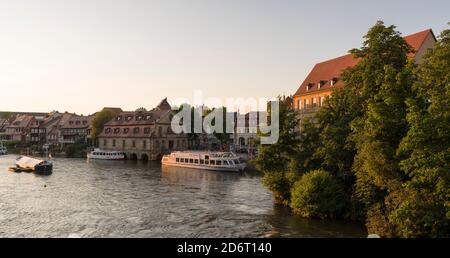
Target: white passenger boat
{"points": [[218, 161], [106, 155]]}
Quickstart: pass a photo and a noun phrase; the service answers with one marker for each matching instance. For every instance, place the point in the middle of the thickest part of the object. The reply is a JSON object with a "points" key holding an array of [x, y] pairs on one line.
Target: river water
{"points": [[135, 199]]}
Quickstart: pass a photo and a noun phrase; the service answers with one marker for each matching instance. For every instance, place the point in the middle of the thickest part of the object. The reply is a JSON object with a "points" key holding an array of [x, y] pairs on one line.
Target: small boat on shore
{"points": [[217, 161], [106, 155], [28, 164]]}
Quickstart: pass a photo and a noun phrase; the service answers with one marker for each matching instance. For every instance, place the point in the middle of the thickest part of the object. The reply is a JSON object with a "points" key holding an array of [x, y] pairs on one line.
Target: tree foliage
{"points": [[318, 194], [100, 119], [383, 140]]}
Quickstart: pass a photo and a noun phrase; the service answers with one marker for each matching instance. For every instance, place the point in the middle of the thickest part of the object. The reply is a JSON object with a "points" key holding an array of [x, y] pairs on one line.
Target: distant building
{"points": [[326, 76], [246, 131], [19, 129], [74, 129], [143, 134], [3, 124]]}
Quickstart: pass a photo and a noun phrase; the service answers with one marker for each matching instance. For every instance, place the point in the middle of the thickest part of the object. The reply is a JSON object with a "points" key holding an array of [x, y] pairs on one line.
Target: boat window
{"points": [[219, 163], [206, 162], [191, 161], [177, 159], [226, 163], [202, 161], [196, 161], [181, 160], [206, 157], [213, 162], [236, 161]]}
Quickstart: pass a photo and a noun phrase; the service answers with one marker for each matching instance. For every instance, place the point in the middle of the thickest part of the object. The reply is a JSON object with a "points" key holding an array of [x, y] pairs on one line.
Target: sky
{"points": [[82, 55]]}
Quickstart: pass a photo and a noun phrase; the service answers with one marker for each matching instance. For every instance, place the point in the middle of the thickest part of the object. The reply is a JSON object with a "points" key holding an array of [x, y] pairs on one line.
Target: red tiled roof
{"points": [[22, 121], [333, 68]]}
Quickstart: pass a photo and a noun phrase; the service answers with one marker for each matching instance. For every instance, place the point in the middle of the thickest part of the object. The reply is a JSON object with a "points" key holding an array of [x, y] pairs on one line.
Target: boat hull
{"points": [[223, 169]]}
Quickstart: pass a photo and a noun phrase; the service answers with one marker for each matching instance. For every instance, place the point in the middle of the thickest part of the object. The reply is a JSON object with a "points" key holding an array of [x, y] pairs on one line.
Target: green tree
{"points": [[274, 160], [100, 119], [318, 194], [424, 210]]}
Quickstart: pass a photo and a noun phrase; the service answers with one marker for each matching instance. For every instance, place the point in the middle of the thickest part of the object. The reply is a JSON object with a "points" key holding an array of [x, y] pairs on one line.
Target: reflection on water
{"points": [[133, 199]]}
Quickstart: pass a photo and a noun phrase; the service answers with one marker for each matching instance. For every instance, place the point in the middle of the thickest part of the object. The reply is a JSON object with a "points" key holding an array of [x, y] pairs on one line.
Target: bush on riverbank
{"points": [[76, 150], [318, 194]]}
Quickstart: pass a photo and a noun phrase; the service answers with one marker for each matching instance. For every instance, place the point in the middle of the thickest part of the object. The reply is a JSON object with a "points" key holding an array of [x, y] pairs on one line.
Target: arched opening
{"points": [[144, 157], [125, 156], [134, 156], [241, 141]]}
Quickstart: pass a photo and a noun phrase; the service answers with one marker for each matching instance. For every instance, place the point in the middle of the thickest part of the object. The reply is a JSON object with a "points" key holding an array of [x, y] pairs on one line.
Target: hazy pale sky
{"points": [[82, 55]]}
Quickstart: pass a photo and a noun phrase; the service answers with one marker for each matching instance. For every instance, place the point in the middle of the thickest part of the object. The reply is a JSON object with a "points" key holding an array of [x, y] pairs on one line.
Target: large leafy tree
{"points": [[274, 160], [423, 208], [100, 119]]}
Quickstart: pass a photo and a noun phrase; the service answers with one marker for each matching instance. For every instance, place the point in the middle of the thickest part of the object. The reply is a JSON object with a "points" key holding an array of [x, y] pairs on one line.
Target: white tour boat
{"points": [[106, 155], [219, 161]]}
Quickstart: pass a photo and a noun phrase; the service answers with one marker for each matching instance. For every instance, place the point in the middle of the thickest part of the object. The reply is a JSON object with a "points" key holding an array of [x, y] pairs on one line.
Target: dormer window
{"points": [[148, 117], [129, 118], [126, 130], [108, 130], [320, 84], [309, 86], [333, 81], [138, 118], [116, 130], [119, 118]]}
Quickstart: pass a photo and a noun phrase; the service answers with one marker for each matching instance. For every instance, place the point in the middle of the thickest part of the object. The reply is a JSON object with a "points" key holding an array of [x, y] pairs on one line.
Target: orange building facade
{"points": [[325, 76]]}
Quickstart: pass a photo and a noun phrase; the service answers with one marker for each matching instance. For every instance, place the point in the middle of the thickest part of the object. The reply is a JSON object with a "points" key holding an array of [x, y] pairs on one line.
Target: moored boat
{"points": [[106, 155], [3, 150], [218, 161], [28, 164]]}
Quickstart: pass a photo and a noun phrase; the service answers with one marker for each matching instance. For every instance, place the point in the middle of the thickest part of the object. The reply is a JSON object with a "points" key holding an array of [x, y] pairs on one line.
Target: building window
{"points": [[123, 143], [144, 144], [104, 143], [314, 102], [160, 131], [126, 130], [134, 143], [114, 143], [147, 117], [306, 103], [116, 130], [129, 118], [119, 118], [136, 130], [322, 99], [108, 130], [147, 130]]}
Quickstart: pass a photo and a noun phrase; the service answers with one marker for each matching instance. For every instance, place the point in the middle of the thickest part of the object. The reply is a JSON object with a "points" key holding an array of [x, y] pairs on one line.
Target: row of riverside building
{"points": [[39, 129], [140, 134]]}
